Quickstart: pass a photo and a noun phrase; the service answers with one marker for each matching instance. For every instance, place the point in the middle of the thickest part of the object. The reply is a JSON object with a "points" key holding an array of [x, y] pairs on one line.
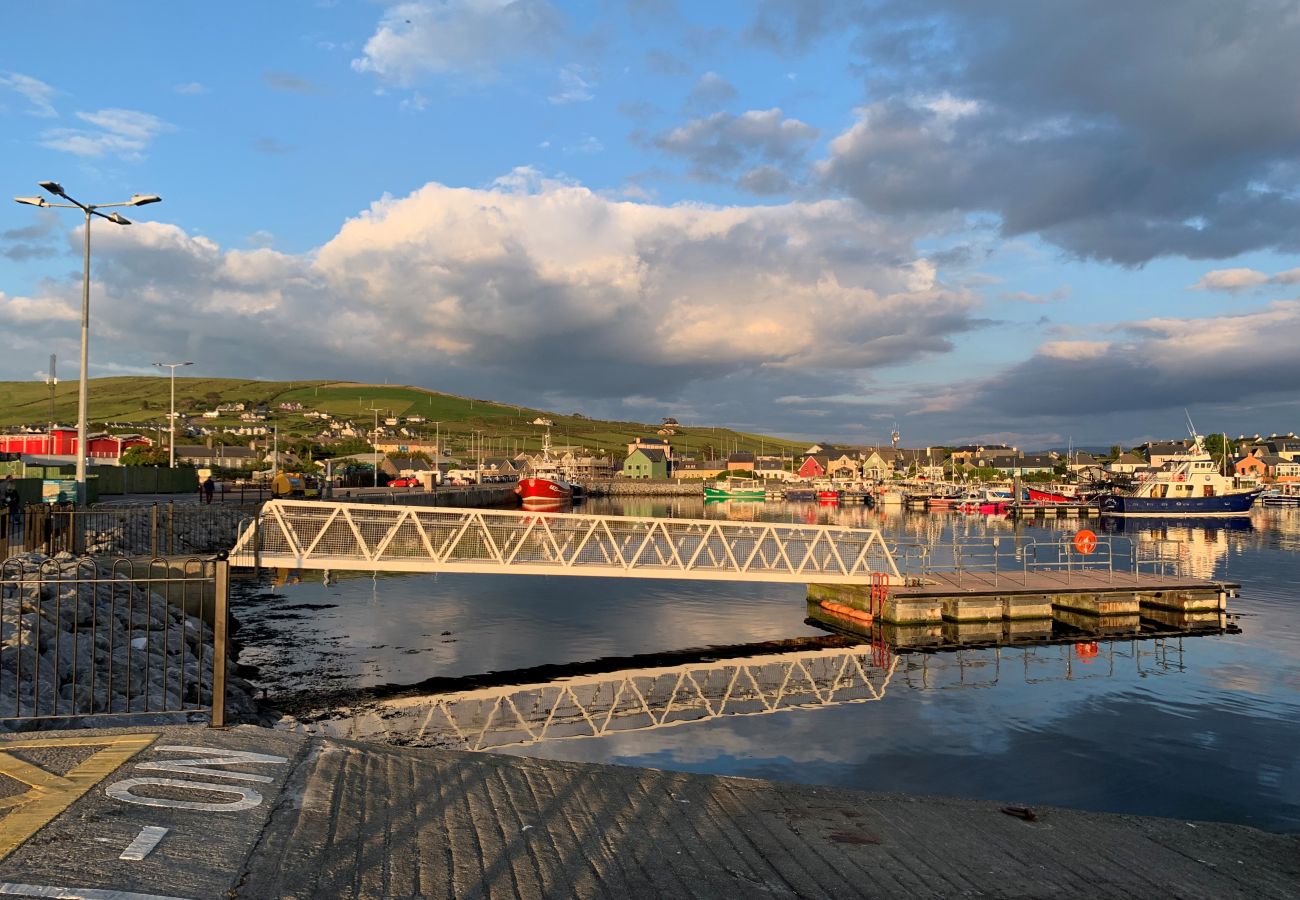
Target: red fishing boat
{"points": [[543, 485], [1037, 496]]}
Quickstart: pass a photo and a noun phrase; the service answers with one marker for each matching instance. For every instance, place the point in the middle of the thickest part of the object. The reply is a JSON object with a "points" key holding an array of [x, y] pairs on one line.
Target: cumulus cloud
{"points": [[474, 37], [536, 286], [125, 133], [750, 148], [1154, 364], [39, 94], [1144, 135], [1236, 280]]}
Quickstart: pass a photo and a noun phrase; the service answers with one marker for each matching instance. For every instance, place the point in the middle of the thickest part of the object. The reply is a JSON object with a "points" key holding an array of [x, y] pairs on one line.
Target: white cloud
{"points": [[1231, 280], [125, 133], [432, 37], [536, 285], [37, 92], [575, 86], [1236, 280], [190, 88], [1074, 350]]}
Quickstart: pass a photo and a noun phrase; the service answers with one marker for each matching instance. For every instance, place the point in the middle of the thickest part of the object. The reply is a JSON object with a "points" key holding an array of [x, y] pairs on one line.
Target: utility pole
{"points": [[374, 439]]}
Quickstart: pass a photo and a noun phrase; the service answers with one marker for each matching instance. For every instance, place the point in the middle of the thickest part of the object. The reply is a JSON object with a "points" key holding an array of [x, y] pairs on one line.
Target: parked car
{"points": [[408, 481]]}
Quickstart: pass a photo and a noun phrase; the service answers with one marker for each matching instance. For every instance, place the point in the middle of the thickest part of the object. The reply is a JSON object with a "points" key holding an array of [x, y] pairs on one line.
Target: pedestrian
{"points": [[13, 505], [209, 487], [5, 515]]}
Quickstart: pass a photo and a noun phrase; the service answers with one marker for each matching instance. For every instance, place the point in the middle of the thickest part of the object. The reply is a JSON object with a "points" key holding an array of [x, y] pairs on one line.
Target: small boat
{"points": [[800, 493], [1286, 494], [1041, 496], [736, 489]]}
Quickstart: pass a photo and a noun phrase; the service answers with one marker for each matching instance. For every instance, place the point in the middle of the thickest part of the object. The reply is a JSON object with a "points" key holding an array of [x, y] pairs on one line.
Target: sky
{"points": [[1013, 221]]}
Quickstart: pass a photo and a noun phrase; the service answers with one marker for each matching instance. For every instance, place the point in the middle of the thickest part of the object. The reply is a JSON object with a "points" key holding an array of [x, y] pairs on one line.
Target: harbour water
{"points": [[1197, 727]]}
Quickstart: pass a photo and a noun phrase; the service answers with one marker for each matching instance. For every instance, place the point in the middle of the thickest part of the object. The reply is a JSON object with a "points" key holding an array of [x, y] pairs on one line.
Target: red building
{"points": [[814, 467], [63, 442]]}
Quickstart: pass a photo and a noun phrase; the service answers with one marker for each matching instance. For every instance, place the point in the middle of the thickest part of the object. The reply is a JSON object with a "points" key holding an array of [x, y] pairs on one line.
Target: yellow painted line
{"points": [[49, 794]]}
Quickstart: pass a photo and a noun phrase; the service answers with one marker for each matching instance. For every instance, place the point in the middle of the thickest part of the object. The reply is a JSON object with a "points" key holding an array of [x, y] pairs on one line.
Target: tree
{"points": [[1215, 443], [1115, 451], [145, 456]]}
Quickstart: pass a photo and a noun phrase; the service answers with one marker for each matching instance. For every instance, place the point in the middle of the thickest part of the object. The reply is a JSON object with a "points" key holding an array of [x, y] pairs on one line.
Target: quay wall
{"points": [[649, 487]]}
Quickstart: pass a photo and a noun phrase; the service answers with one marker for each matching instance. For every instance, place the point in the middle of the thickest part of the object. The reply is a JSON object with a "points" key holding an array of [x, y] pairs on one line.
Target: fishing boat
{"points": [[1037, 495], [736, 489], [544, 485], [800, 493], [826, 492], [1189, 484]]}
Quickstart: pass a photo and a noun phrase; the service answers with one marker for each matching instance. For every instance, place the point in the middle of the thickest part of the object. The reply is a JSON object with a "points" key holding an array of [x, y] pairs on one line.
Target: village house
{"points": [[1126, 463], [651, 443], [1160, 452], [699, 468], [1250, 466], [740, 461], [645, 462]]}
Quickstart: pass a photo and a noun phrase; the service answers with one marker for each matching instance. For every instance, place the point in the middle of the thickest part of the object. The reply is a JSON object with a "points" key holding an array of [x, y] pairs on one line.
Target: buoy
{"points": [[1085, 541]]}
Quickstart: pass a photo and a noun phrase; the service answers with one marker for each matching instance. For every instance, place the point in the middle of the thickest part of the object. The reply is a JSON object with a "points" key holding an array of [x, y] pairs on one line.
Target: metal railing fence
{"points": [[159, 529], [995, 556], [82, 638]]}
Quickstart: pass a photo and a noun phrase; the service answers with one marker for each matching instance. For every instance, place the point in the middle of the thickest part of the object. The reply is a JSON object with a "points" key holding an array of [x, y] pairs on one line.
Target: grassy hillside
{"points": [[144, 401]]}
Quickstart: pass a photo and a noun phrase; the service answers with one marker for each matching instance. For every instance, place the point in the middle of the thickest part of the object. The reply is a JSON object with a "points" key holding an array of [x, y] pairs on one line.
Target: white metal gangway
{"points": [[306, 534], [599, 705]]}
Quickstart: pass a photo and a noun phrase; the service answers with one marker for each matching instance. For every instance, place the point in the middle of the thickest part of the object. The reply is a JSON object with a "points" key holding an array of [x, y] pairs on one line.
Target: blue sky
{"points": [[1040, 223]]}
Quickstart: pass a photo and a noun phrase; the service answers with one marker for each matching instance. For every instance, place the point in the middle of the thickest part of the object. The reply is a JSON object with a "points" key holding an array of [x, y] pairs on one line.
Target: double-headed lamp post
{"points": [[91, 209], [171, 416]]}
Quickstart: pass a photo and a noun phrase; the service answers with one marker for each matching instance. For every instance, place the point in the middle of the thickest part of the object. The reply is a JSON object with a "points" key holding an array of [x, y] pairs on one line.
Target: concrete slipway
{"points": [[248, 812]]}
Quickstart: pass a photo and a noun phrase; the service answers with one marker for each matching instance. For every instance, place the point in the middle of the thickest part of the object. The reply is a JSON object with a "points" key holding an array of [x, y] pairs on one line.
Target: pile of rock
{"points": [[78, 640], [140, 531]]}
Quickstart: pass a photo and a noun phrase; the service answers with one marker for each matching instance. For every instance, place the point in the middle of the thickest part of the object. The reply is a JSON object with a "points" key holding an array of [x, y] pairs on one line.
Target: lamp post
{"points": [[171, 416], [374, 437], [91, 209]]}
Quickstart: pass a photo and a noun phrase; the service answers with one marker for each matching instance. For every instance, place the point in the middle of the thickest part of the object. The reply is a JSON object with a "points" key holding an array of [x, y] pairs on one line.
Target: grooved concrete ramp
{"points": [[191, 812], [381, 821]]}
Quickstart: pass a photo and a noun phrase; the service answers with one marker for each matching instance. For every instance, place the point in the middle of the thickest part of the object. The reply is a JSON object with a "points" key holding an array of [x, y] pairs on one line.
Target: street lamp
{"points": [[171, 417], [92, 209]]}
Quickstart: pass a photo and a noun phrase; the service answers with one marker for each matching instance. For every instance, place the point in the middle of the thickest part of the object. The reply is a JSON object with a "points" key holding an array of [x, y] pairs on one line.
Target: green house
{"points": [[645, 463]]}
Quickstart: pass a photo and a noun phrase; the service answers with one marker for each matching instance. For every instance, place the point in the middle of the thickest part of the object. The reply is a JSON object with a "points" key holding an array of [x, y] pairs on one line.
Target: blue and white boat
{"points": [[1187, 485]]}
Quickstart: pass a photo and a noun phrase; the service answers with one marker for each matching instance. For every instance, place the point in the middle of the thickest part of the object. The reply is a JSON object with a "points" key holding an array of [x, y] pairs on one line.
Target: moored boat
{"points": [[736, 489], [1187, 485], [543, 484]]}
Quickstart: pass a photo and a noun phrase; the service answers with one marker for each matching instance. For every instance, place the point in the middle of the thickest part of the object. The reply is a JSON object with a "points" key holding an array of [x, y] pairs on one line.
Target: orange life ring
{"points": [[1085, 541], [1180, 477]]}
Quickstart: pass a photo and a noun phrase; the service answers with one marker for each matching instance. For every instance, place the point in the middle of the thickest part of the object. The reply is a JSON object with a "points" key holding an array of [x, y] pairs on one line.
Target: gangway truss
{"points": [[307, 534]]}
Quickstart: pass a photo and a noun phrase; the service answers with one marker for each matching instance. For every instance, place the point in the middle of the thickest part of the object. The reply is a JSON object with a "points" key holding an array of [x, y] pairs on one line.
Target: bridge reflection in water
{"points": [[756, 680]]}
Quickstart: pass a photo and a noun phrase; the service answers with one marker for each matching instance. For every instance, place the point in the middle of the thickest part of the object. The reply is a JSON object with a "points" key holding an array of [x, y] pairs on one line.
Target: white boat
{"points": [[1189, 484]]}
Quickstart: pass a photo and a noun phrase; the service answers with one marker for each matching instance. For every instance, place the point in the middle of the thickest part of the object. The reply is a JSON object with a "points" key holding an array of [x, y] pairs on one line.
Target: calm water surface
{"points": [[1204, 727]]}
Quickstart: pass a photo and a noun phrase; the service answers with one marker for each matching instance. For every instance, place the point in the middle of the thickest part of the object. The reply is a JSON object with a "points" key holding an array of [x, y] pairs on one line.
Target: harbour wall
{"points": [[670, 487]]}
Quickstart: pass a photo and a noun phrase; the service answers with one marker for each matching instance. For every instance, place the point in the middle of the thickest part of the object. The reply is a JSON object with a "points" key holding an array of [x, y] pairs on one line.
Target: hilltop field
{"points": [[143, 402]]}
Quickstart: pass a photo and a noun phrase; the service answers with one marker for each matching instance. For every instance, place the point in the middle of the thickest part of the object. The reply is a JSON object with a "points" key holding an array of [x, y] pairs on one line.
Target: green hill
{"points": [[123, 402]]}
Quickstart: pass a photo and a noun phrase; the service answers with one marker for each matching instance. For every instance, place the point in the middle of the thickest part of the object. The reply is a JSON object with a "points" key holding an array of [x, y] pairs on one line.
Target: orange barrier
{"points": [[846, 612]]}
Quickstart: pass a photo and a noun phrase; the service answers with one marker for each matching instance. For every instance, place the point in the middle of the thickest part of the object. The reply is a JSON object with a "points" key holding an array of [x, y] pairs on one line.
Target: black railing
{"points": [[87, 638], [160, 529]]}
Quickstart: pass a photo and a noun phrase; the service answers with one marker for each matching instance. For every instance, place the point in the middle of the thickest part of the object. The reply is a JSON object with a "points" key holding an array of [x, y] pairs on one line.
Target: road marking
{"points": [[124, 791], [70, 893], [49, 794], [144, 843]]}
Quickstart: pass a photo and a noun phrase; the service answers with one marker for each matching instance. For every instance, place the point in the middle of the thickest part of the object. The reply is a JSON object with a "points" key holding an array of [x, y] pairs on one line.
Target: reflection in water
{"points": [[646, 698], [1090, 723], [632, 699]]}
